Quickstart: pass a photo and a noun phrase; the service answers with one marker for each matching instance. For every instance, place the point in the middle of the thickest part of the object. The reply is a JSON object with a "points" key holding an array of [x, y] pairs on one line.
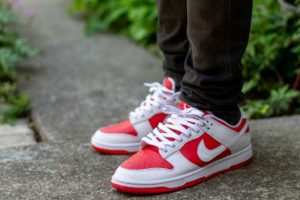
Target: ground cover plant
{"points": [[13, 49]]}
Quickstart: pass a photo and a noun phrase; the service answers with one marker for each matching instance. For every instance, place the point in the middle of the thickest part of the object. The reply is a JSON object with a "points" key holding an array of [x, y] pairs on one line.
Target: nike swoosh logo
{"points": [[208, 155]]}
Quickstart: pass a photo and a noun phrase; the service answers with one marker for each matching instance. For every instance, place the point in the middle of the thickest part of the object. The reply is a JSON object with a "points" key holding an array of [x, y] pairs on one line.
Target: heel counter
{"points": [[243, 142]]}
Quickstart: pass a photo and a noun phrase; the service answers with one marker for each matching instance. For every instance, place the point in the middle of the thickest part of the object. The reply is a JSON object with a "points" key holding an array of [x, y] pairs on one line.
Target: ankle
{"points": [[230, 117]]}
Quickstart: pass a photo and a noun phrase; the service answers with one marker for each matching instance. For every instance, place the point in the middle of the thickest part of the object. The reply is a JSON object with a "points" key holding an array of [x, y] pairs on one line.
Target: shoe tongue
{"points": [[200, 113], [197, 113], [169, 83], [182, 105]]}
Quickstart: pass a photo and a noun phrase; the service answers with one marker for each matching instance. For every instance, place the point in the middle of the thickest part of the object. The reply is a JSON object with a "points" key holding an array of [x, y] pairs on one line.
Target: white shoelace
{"points": [[188, 122], [158, 95]]}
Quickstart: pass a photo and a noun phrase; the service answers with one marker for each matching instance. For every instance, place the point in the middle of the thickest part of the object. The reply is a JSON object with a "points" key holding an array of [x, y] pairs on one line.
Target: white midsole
{"points": [[127, 147], [220, 165]]}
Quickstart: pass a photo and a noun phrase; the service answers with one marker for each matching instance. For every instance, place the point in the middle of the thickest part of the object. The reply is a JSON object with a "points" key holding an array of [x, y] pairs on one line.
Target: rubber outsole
{"points": [[111, 152], [158, 190]]}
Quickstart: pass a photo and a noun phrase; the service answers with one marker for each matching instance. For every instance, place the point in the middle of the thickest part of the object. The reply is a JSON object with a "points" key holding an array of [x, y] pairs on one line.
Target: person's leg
{"points": [[172, 37], [218, 32], [191, 141]]}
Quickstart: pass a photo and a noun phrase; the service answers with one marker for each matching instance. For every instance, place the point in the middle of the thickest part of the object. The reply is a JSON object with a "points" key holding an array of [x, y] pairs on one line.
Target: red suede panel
{"points": [[148, 157], [123, 127], [156, 119]]}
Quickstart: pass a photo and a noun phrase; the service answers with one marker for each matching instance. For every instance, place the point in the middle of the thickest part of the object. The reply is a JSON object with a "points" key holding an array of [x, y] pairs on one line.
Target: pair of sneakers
{"points": [[175, 145]]}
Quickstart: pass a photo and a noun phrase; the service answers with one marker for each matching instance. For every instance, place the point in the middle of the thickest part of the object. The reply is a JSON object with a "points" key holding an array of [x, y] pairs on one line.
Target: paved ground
{"points": [[17, 134], [76, 85], [82, 78], [71, 170]]}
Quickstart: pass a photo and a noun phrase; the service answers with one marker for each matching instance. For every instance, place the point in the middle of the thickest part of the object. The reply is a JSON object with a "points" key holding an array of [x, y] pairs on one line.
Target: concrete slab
{"points": [[18, 134], [78, 84], [71, 170]]}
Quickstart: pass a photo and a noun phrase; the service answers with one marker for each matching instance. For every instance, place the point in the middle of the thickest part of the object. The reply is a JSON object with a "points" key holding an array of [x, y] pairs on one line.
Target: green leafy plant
{"points": [[16, 105], [134, 18], [279, 102], [12, 50], [271, 61]]}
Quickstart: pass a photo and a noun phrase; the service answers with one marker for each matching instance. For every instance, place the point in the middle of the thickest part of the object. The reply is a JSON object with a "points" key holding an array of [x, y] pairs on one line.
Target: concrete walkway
{"points": [[78, 84], [85, 79], [15, 135]]}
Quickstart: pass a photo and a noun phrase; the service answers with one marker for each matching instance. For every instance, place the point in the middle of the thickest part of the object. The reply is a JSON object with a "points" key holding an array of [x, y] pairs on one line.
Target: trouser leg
{"points": [[172, 37], [218, 32]]}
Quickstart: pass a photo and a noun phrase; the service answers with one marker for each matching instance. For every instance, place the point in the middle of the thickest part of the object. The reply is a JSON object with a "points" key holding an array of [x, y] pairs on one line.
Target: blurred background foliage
{"points": [[271, 61], [133, 18], [13, 49]]}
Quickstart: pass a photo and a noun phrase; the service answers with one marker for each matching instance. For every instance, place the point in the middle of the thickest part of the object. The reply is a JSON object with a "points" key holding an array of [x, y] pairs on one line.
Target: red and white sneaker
{"points": [[190, 147], [125, 137]]}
